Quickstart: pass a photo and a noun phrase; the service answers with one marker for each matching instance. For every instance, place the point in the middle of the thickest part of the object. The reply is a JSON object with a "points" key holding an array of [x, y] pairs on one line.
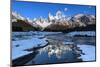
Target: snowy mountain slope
{"points": [[86, 19], [42, 22], [16, 16]]}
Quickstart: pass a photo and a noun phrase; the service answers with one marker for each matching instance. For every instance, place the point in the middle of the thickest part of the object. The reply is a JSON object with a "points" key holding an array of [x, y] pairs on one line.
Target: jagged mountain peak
{"points": [[29, 20], [58, 13], [43, 23]]}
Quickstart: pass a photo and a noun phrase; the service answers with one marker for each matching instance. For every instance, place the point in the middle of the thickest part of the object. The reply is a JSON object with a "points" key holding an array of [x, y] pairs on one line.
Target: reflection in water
{"points": [[57, 51], [58, 48], [61, 48]]}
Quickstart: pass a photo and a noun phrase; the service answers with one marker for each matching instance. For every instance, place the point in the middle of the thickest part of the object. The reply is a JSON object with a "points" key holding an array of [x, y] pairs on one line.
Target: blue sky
{"points": [[35, 10]]}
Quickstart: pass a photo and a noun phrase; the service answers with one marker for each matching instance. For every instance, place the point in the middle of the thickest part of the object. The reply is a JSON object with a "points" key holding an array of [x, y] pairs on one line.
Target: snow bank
{"points": [[25, 44], [89, 51]]}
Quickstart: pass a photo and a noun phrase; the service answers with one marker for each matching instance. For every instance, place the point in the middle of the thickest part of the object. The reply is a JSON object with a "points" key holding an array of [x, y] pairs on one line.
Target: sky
{"points": [[36, 9]]}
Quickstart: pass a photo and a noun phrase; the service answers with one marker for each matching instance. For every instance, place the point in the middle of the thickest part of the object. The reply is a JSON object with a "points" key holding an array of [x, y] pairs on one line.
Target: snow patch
{"points": [[25, 44], [89, 51]]}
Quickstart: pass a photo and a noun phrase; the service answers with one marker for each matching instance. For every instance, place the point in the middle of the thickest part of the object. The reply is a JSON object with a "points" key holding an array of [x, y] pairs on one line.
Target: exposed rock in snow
{"points": [[43, 23], [86, 19]]}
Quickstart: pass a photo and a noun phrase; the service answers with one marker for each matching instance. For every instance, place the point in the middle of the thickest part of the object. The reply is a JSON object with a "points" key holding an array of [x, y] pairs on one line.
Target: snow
{"points": [[89, 33], [29, 20], [58, 17], [18, 53], [14, 20], [43, 24], [25, 44], [51, 17], [79, 15], [18, 16], [89, 51]]}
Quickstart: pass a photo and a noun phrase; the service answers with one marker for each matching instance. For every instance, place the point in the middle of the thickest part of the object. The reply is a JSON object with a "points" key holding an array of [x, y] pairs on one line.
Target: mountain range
{"points": [[59, 22]]}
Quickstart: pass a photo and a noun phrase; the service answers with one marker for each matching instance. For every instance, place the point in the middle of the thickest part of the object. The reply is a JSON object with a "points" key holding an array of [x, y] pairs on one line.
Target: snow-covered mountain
{"points": [[86, 19], [57, 21], [59, 17], [20, 23], [42, 22], [16, 16], [62, 22], [29, 20]]}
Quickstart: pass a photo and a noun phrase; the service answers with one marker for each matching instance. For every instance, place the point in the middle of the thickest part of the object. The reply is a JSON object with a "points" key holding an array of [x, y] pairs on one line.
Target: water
{"points": [[55, 47]]}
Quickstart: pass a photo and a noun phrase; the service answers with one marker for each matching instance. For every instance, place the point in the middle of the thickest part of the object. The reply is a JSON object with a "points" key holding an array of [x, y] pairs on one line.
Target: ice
{"points": [[21, 33], [35, 33], [89, 33], [25, 44], [89, 51], [47, 33]]}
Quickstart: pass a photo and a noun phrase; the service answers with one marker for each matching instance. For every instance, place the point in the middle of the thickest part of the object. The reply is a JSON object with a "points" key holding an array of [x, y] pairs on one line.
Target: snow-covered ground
{"points": [[89, 51], [88, 33], [25, 44]]}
